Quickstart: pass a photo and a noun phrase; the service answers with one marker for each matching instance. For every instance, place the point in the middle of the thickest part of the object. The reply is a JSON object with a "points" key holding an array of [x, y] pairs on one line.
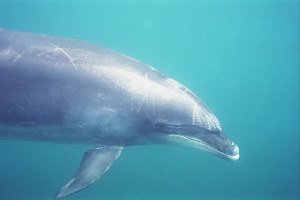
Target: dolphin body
{"points": [[54, 89]]}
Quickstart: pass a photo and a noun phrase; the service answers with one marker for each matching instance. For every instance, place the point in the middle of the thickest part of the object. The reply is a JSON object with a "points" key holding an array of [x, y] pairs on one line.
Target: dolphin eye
{"points": [[214, 132]]}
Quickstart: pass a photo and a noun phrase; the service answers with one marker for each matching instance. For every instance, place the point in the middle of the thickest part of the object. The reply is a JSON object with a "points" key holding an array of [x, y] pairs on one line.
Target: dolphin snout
{"points": [[234, 152], [228, 149], [219, 144]]}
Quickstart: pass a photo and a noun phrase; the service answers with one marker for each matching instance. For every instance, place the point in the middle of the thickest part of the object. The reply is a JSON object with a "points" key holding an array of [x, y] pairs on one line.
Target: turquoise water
{"points": [[240, 57]]}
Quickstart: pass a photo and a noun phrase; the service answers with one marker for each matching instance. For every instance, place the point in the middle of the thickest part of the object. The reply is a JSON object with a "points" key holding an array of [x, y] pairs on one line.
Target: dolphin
{"points": [[55, 89]]}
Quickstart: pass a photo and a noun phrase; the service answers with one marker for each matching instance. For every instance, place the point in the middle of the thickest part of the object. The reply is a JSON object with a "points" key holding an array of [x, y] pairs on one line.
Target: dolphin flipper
{"points": [[94, 164]]}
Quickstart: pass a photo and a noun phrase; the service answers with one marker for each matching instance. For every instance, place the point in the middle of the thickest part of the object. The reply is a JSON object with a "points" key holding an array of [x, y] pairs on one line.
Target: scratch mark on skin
{"points": [[18, 57], [57, 48], [145, 94]]}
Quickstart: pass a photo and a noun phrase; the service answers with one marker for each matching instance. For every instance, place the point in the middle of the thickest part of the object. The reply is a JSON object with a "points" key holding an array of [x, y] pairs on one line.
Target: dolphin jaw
{"points": [[199, 144]]}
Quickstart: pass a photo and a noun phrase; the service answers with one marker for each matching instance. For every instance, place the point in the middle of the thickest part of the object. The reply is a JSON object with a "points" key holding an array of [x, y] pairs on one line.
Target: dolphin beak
{"points": [[215, 143], [235, 153], [220, 145]]}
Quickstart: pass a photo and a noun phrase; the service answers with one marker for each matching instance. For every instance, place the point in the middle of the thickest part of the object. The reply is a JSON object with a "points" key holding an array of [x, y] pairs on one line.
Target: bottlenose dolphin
{"points": [[54, 89]]}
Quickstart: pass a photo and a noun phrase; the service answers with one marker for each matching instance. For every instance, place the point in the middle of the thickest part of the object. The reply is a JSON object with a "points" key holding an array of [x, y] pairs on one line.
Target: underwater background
{"points": [[240, 57]]}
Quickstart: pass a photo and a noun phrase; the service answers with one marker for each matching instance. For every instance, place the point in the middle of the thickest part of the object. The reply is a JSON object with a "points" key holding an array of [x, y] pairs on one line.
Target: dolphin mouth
{"points": [[232, 156], [225, 149]]}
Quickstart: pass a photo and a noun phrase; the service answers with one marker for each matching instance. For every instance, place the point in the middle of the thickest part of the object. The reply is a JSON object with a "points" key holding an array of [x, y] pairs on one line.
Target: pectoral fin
{"points": [[94, 164]]}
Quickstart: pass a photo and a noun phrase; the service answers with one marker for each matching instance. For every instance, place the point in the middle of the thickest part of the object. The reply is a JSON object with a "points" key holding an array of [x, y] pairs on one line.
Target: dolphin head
{"points": [[187, 121]]}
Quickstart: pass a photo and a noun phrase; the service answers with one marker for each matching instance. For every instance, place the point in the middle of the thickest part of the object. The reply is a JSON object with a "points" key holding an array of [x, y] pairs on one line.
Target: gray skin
{"points": [[54, 89]]}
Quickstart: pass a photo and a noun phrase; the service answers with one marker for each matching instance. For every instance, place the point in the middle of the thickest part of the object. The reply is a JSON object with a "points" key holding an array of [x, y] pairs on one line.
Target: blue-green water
{"points": [[240, 57]]}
